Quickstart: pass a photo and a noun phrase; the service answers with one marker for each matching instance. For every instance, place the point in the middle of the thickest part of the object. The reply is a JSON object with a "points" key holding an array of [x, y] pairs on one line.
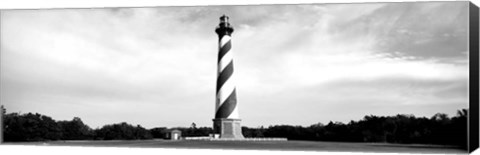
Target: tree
{"points": [[75, 130], [31, 127], [253, 132], [122, 131], [459, 127], [158, 132]]}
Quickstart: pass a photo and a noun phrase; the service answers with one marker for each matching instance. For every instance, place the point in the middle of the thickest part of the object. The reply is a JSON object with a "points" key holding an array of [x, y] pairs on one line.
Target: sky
{"points": [[294, 64]]}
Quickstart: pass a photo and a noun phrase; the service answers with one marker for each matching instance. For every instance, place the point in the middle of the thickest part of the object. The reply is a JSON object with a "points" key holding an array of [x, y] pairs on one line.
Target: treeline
{"points": [[37, 127], [438, 129], [192, 131], [406, 129]]}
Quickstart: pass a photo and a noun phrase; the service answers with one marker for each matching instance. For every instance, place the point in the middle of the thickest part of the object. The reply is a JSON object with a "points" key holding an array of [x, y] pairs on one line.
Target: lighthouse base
{"points": [[228, 128]]}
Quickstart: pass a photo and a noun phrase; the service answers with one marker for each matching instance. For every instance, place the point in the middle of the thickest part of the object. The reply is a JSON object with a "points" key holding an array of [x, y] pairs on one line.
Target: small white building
{"points": [[173, 134]]}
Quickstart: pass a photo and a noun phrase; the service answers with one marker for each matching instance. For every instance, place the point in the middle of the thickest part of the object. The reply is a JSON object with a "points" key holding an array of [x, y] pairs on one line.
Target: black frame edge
{"points": [[473, 118]]}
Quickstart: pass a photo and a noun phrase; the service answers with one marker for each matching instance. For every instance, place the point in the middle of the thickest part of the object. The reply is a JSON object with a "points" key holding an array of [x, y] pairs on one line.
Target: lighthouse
{"points": [[226, 122]]}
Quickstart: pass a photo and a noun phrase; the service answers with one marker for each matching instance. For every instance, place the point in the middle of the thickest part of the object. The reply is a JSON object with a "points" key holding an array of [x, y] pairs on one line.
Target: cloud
{"points": [[424, 30]]}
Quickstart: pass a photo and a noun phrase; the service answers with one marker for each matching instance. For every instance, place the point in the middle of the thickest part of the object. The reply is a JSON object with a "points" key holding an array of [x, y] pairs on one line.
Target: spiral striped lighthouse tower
{"points": [[226, 122]]}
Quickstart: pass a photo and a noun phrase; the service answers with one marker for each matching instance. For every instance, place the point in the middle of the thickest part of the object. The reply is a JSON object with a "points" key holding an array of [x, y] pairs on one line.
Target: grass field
{"points": [[264, 145]]}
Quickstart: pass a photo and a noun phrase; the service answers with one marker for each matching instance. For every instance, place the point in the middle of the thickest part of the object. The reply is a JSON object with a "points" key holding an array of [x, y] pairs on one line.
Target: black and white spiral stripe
{"points": [[226, 101]]}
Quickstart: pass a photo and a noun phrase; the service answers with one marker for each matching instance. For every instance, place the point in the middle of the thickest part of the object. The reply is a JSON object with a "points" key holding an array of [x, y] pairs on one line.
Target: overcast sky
{"points": [[294, 64]]}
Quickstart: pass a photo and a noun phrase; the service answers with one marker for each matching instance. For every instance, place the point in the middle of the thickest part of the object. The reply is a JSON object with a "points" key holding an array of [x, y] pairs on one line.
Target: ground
{"points": [[264, 145]]}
